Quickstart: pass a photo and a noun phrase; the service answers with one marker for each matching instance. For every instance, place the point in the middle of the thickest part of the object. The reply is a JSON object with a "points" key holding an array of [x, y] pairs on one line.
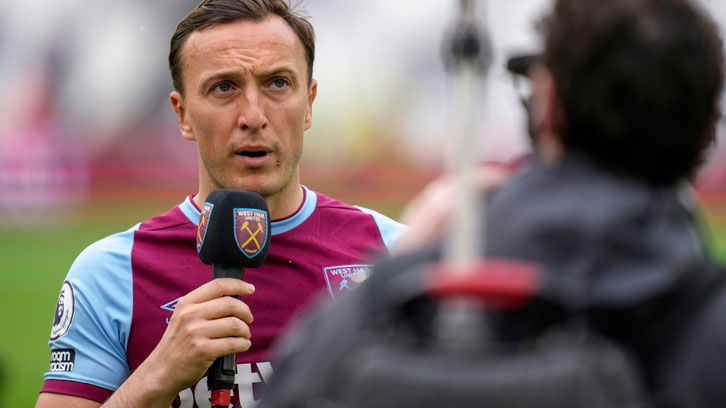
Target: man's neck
{"points": [[285, 203], [280, 205]]}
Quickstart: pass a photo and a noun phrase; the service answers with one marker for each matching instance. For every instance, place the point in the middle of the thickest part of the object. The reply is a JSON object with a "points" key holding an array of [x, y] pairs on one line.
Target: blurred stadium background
{"points": [[89, 144]]}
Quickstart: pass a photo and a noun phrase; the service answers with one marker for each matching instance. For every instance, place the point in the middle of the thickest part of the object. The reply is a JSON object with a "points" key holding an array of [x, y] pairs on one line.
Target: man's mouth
{"points": [[253, 153], [253, 158]]}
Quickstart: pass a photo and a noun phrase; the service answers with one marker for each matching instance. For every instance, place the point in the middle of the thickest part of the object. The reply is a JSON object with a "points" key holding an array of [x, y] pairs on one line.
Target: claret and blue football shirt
{"points": [[121, 291]]}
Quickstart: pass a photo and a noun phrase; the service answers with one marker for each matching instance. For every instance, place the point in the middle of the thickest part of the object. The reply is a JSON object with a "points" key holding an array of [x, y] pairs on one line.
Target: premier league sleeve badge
{"points": [[64, 311]]}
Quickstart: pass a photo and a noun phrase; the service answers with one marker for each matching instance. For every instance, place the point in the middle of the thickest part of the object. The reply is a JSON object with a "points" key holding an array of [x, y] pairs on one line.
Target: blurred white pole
{"points": [[469, 57]]}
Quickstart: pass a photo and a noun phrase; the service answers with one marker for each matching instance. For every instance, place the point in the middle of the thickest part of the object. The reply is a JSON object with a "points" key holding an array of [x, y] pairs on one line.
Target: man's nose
{"points": [[252, 115]]}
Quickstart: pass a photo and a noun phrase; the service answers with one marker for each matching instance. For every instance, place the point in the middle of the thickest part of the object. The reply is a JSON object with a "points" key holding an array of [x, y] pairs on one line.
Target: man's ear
{"points": [[177, 102], [312, 93], [547, 118]]}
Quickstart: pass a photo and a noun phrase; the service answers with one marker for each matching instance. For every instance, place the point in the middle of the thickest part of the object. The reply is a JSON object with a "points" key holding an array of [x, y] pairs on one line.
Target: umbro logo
{"points": [[171, 306]]}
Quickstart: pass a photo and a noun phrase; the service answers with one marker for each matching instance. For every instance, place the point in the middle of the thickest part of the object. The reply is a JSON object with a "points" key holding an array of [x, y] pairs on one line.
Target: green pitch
{"points": [[33, 264]]}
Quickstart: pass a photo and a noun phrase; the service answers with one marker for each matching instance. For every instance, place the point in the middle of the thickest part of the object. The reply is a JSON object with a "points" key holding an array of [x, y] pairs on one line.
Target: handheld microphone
{"points": [[233, 234]]}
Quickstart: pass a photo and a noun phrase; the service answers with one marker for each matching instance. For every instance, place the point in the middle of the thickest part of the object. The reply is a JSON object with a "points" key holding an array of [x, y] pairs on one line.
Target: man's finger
{"points": [[213, 309], [227, 327], [217, 288]]}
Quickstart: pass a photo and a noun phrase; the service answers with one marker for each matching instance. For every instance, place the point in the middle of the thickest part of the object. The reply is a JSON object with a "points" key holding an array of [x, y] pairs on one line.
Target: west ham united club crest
{"points": [[203, 223], [345, 278], [250, 230]]}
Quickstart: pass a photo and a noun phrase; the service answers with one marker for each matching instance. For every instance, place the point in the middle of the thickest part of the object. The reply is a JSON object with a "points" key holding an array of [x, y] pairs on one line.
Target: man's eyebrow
{"points": [[279, 71]]}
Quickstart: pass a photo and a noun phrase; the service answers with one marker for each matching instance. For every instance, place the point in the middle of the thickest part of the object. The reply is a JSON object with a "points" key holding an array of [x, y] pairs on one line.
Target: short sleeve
{"points": [[92, 321], [390, 230]]}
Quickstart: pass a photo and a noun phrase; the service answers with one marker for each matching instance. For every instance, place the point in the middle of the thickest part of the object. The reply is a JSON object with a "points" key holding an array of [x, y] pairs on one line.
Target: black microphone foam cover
{"points": [[234, 229]]}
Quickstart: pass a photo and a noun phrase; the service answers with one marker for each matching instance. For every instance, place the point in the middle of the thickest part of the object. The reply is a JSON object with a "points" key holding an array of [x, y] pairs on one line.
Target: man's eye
{"points": [[223, 87], [279, 83]]}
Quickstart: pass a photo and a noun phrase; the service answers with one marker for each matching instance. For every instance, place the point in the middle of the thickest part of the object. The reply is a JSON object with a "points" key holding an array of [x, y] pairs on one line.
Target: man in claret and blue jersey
{"points": [[138, 320]]}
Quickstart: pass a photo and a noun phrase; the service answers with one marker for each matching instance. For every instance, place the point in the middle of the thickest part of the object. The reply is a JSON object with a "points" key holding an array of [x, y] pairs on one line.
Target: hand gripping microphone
{"points": [[233, 234]]}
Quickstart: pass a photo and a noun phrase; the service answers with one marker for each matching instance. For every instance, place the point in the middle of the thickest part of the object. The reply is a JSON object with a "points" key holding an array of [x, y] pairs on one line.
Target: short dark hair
{"points": [[639, 82], [214, 12]]}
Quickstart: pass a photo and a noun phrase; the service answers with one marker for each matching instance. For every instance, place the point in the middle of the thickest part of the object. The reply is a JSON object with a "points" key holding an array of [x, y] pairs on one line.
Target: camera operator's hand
{"points": [[429, 213]]}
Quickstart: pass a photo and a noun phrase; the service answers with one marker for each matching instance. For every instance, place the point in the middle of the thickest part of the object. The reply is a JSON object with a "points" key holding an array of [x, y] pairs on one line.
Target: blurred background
{"points": [[89, 144]]}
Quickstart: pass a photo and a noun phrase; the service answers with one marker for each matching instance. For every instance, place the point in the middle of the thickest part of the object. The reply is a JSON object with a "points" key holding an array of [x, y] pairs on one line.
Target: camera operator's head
{"points": [[633, 84]]}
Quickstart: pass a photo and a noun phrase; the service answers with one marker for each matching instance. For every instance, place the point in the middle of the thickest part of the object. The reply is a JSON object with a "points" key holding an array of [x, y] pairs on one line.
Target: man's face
{"points": [[247, 104]]}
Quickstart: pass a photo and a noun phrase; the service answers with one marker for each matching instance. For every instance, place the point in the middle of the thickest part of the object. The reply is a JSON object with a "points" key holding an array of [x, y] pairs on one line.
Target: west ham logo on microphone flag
{"points": [[250, 230], [203, 223]]}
